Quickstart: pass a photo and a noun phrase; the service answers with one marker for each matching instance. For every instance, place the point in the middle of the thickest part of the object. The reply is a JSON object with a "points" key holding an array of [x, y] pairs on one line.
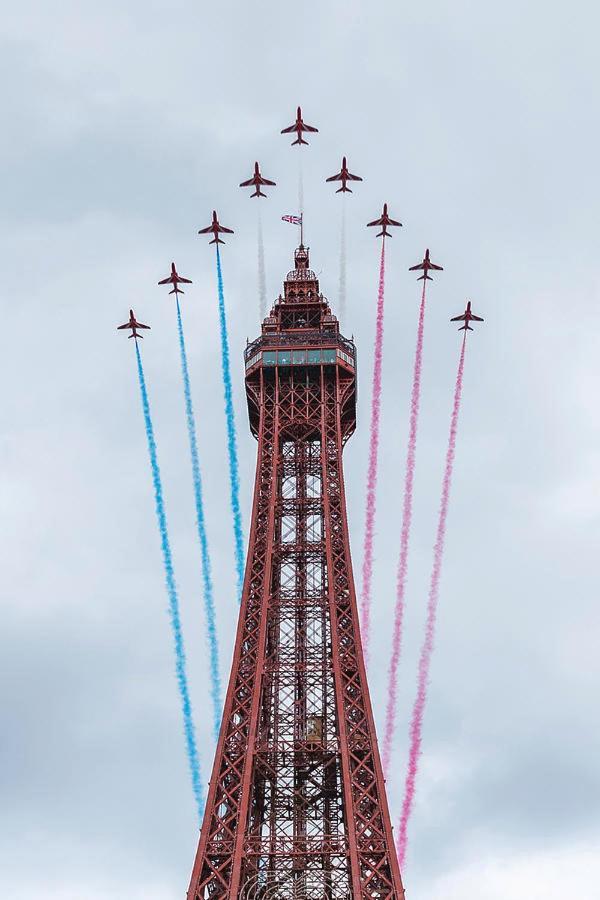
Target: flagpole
{"points": [[302, 229]]}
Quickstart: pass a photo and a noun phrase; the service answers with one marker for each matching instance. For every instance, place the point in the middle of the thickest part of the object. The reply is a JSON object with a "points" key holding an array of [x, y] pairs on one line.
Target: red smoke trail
{"points": [[416, 724], [367, 566], [390, 712]]}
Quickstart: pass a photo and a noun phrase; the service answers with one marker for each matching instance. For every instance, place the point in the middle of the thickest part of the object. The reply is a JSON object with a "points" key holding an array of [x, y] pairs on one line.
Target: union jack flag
{"points": [[293, 220]]}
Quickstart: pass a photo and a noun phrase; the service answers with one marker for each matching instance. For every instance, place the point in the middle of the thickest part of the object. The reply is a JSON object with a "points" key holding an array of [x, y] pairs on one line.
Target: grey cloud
{"points": [[126, 126]]}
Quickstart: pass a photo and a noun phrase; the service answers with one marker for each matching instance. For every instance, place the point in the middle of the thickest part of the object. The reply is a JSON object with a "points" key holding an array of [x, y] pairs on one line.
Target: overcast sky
{"points": [[125, 124]]}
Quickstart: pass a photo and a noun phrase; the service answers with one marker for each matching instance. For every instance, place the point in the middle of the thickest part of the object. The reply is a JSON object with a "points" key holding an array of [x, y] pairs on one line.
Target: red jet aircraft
{"points": [[133, 325], [216, 229], [467, 317], [175, 279], [298, 127], [257, 180], [385, 221], [426, 265], [344, 175]]}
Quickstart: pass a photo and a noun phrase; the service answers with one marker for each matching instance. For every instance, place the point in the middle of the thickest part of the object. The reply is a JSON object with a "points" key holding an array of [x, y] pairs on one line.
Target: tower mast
{"points": [[296, 806]]}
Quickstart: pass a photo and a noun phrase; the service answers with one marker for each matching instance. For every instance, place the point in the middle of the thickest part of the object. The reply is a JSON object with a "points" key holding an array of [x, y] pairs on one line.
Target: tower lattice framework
{"points": [[296, 806]]}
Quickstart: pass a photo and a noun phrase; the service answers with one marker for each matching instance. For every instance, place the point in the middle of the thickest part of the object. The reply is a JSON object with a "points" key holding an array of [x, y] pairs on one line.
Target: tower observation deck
{"points": [[296, 806]]}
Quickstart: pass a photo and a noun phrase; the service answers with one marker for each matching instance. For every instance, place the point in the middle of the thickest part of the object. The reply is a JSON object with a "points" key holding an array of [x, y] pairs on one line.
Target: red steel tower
{"points": [[296, 806]]}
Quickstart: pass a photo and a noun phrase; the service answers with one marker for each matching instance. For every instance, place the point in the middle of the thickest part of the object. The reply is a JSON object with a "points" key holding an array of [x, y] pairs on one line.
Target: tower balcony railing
{"points": [[311, 337], [303, 275]]}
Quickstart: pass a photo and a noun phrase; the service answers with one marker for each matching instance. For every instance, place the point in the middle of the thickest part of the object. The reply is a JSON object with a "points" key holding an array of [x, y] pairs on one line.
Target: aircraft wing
{"points": [[462, 318], [335, 177], [223, 229], [309, 128], [437, 268], [266, 181], [185, 280], [476, 318], [353, 177], [375, 222], [393, 222], [289, 130], [417, 268], [166, 280], [247, 183], [126, 325], [206, 230]]}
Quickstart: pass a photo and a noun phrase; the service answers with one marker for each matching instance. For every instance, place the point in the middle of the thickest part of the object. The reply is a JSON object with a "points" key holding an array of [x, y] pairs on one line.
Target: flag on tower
{"points": [[293, 220]]}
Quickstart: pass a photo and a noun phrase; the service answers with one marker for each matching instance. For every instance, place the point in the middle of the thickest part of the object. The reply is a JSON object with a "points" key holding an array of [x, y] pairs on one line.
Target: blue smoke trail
{"points": [[180, 664], [209, 601], [234, 475]]}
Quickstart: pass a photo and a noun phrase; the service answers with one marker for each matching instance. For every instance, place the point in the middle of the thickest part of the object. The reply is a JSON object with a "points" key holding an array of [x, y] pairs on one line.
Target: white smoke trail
{"points": [[300, 184], [342, 287], [262, 277]]}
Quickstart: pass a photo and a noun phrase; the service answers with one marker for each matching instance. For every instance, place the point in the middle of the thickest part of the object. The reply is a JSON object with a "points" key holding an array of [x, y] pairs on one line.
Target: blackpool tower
{"points": [[296, 806]]}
